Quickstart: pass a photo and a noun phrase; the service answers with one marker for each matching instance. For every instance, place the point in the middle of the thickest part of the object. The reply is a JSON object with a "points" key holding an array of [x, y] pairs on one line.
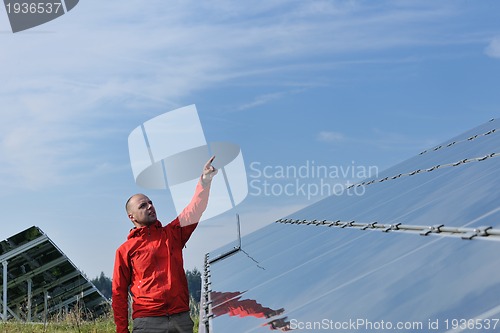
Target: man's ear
{"points": [[131, 217]]}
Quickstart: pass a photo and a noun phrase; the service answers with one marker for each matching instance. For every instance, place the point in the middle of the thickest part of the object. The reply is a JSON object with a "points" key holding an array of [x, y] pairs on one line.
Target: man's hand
{"points": [[208, 171]]}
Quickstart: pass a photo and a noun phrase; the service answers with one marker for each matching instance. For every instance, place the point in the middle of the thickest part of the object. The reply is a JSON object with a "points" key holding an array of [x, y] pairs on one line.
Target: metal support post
{"points": [[45, 305], [30, 282], [4, 293]]}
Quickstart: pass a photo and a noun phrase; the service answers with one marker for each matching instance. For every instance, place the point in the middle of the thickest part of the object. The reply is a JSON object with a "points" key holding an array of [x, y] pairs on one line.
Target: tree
{"points": [[194, 283], [103, 283]]}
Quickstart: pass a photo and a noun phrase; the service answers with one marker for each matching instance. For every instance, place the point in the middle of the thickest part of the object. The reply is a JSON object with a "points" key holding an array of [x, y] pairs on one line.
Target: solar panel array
{"points": [[417, 249], [38, 281]]}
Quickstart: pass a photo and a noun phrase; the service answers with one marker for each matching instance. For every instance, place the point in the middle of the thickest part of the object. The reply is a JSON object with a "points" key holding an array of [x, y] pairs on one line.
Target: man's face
{"points": [[141, 210]]}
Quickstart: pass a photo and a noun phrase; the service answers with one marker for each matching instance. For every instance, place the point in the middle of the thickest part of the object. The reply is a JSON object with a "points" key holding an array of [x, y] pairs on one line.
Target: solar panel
{"points": [[414, 249], [39, 281]]}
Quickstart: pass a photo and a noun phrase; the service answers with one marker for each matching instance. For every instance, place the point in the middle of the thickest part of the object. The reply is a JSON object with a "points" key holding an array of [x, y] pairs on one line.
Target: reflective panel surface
{"points": [[306, 277]]}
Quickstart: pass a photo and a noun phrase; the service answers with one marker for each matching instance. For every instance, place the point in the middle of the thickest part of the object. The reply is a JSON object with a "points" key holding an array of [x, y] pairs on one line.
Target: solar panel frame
{"points": [[38, 280]]}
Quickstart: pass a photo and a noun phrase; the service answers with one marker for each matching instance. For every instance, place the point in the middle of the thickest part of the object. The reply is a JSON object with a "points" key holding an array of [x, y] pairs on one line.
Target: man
{"points": [[150, 264]]}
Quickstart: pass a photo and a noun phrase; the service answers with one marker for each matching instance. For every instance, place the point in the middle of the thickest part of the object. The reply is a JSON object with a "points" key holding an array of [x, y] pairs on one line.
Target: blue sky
{"points": [[294, 83]]}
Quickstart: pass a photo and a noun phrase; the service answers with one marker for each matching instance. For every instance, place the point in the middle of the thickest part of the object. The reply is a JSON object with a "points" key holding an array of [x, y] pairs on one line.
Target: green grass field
{"points": [[73, 322], [99, 326], [102, 325]]}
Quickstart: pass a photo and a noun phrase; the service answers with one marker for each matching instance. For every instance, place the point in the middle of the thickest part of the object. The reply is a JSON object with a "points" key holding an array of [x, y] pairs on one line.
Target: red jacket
{"points": [[150, 263]]}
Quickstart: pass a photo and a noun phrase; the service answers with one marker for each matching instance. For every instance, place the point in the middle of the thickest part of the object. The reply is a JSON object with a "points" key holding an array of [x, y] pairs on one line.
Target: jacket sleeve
{"points": [[192, 213], [120, 285]]}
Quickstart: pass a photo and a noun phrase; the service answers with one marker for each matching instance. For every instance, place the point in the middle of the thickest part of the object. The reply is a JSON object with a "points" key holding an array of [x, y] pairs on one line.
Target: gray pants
{"points": [[177, 323]]}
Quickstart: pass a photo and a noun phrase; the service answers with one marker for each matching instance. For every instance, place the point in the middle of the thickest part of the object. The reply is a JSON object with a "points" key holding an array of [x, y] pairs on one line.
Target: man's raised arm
{"points": [[192, 213]]}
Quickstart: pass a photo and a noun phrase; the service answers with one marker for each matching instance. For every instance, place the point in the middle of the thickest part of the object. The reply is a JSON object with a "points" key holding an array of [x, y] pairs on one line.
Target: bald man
{"points": [[150, 265]]}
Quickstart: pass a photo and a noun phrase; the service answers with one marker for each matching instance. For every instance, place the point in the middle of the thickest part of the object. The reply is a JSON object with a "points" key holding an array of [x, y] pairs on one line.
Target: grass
{"points": [[97, 326], [70, 323], [73, 322]]}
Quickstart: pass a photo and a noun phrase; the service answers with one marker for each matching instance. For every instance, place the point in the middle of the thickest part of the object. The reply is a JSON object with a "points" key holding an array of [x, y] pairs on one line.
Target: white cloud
{"points": [[380, 139], [329, 136], [40, 139], [261, 100], [493, 49]]}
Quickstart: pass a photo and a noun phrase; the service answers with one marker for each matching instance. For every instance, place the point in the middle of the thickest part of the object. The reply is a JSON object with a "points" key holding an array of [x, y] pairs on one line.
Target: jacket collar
{"points": [[137, 232]]}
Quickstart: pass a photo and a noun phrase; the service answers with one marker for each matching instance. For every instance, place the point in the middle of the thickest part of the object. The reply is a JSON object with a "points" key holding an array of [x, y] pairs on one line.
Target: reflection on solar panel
{"points": [[414, 249], [38, 280]]}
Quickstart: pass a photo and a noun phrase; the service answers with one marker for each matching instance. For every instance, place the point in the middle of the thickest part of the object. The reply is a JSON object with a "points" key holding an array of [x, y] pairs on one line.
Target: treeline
{"points": [[103, 283]]}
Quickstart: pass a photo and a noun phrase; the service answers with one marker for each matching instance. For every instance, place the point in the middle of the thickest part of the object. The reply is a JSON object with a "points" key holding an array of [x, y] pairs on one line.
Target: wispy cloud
{"points": [[260, 100], [381, 140], [493, 48], [330, 137], [42, 141], [394, 141], [123, 62]]}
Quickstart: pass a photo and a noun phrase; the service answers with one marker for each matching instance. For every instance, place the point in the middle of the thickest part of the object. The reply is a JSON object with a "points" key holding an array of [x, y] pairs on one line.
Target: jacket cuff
{"points": [[205, 184]]}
